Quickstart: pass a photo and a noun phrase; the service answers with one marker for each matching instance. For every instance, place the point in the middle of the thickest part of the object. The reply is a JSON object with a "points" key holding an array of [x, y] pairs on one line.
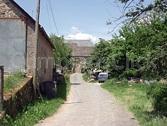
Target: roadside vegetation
{"points": [[13, 80], [137, 53], [39, 109], [149, 110], [63, 63], [33, 113], [138, 50], [63, 87], [62, 53]]}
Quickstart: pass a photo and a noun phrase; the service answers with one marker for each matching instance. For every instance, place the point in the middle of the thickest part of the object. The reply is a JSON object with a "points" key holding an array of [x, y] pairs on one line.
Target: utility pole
{"points": [[35, 77], [1, 87]]}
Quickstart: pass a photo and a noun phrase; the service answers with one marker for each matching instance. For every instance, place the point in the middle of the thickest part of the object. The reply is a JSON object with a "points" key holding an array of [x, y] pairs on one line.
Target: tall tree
{"points": [[138, 49], [62, 53], [135, 9]]}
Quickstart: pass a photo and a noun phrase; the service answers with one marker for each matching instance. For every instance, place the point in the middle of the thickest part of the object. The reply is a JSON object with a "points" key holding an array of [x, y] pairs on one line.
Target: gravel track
{"points": [[89, 105]]}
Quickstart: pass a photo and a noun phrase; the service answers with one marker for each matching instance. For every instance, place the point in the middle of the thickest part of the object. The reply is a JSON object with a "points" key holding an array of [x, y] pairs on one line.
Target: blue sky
{"points": [[76, 18]]}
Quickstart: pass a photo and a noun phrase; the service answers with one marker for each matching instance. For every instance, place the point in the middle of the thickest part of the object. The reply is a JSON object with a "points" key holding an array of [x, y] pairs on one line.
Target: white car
{"points": [[103, 76]]}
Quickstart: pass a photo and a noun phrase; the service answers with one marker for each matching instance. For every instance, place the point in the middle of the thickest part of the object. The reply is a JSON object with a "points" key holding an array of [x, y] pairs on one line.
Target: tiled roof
{"points": [[80, 51], [83, 43]]}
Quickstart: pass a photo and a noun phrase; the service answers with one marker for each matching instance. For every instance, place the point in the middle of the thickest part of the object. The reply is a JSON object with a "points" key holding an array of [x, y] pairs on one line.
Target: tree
{"points": [[98, 57], [134, 9], [139, 50], [62, 53]]}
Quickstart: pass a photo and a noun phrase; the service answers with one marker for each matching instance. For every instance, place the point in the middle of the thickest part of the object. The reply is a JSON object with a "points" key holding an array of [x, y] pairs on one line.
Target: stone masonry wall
{"points": [[45, 55], [46, 60], [7, 10], [19, 97], [30, 49]]}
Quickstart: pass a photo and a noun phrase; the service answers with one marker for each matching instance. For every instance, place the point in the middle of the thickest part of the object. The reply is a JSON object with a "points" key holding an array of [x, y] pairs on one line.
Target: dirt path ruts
{"points": [[89, 105]]}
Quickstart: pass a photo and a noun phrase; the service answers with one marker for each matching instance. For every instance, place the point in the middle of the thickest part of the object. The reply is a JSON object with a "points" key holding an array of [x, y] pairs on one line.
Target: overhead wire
{"points": [[48, 15], [53, 16]]}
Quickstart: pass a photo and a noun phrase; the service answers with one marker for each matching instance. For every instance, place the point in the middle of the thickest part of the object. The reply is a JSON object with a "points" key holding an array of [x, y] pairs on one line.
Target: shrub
{"points": [[63, 86], [158, 93], [130, 73], [33, 113]]}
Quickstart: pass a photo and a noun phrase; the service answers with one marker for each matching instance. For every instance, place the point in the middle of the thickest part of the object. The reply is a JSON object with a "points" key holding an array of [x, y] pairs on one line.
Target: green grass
{"points": [[13, 80], [33, 113], [36, 111], [134, 96]]}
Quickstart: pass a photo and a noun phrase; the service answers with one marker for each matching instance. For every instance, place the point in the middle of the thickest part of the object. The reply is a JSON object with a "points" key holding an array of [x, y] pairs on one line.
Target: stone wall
{"points": [[45, 55], [15, 101], [46, 60], [30, 49], [8, 10]]}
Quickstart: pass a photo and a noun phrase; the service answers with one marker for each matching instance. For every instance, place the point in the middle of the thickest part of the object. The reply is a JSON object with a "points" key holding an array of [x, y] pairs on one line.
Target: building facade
{"points": [[17, 42], [81, 49]]}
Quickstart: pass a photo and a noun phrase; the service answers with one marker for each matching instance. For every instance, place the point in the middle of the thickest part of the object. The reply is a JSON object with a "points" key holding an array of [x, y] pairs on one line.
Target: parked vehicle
{"points": [[103, 76], [96, 73]]}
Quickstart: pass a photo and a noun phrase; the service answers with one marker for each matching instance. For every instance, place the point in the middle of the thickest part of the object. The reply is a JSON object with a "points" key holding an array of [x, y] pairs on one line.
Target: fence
{"points": [[1, 86]]}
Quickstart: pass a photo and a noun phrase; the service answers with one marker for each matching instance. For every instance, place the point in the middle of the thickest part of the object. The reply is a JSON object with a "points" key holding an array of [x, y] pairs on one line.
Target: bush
{"points": [[33, 113], [83, 70], [158, 93], [63, 86], [130, 73]]}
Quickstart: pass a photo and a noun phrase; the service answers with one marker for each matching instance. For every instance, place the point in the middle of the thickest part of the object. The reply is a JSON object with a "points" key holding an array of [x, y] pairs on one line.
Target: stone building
{"points": [[17, 42], [81, 49]]}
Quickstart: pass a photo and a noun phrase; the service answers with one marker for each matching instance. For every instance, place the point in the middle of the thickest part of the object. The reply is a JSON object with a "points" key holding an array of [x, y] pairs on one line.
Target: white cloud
{"points": [[76, 34], [82, 36]]}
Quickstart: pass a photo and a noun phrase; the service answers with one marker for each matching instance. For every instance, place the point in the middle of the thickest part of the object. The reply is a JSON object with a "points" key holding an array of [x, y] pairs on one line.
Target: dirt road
{"points": [[89, 105]]}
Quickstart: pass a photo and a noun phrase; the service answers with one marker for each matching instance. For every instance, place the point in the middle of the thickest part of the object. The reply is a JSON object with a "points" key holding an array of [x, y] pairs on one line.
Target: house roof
{"points": [[80, 51], [42, 30], [81, 43]]}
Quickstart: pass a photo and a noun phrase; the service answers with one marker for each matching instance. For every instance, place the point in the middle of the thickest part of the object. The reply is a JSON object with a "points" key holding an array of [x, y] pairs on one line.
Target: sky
{"points": [[76, 19]]}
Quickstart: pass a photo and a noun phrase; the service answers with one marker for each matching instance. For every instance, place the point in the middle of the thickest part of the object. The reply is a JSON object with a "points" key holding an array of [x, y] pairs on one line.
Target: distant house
{"points": [[17, 42], [81, 49]]}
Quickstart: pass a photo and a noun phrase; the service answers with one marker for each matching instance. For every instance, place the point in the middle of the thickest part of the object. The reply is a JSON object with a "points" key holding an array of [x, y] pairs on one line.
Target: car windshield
{"points": [[103, 75]]}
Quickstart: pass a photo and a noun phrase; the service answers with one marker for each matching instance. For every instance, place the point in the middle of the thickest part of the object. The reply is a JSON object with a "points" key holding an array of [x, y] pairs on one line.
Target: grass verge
{"points": [[36, 111], [134, 96], [33, 113], [13, 80]]}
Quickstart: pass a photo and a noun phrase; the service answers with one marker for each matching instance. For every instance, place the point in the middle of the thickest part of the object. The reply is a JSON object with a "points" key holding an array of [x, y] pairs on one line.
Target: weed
{"points": [[12, 80], [134, 96], [33, 113]]}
